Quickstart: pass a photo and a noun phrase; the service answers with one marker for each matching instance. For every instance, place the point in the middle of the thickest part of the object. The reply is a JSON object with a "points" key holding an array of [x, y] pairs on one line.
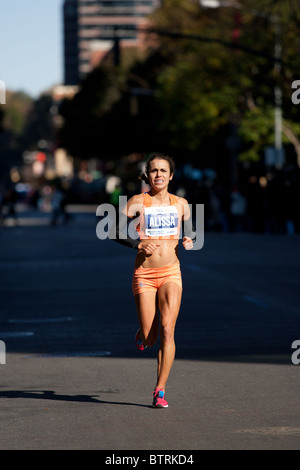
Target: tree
{"points": [[100, 120], [211, 71], [85, 129], [218, 78], [13, 122]]}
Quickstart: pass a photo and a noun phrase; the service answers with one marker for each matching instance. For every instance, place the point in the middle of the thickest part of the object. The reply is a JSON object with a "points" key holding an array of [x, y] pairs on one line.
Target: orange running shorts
{"points": [[151, 279]]}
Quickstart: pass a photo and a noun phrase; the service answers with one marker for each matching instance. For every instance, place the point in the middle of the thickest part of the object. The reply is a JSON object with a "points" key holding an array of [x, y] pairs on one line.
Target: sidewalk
{"points": [[27, 217]]}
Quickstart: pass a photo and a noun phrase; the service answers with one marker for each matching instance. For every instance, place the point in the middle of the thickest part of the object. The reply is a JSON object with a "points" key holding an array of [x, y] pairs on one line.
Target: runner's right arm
{"points": [[122, 235], [119, 231]]}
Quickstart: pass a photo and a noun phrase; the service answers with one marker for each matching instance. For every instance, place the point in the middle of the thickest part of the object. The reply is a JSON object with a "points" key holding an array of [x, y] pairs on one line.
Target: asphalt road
{"points": [[73, 378]]}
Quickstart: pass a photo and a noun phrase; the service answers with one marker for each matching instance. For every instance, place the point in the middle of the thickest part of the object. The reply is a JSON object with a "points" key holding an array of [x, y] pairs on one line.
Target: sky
{"points": [[31, 45]]}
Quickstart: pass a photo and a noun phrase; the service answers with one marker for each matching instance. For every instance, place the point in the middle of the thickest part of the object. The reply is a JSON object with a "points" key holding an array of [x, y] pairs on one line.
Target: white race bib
{"points": [[161, 221]]}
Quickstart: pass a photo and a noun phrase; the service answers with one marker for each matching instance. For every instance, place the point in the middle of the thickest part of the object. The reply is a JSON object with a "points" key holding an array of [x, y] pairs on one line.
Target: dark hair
{"points": [[160, 156]]}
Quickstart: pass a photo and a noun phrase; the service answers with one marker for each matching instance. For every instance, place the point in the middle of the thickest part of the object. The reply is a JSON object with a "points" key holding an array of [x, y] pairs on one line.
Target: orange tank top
{"points": [[159, 222]]}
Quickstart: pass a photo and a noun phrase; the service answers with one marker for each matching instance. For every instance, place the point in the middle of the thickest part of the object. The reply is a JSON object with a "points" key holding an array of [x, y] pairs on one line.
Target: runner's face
{"points": [[159, 174]]}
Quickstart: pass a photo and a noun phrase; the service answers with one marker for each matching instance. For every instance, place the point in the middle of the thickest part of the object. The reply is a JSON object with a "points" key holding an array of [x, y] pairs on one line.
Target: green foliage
{"points": [[190, 112], [16, 110], [217, 70], [208, 84], [84, 114]]}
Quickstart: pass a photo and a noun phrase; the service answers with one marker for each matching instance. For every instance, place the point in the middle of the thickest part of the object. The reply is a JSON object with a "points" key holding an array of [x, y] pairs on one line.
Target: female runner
{"points": [[157, 284]]}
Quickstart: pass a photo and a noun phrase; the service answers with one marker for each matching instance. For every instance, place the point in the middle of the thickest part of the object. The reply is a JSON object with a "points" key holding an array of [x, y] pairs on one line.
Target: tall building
{"points": [[71, 55], [92, 27]]}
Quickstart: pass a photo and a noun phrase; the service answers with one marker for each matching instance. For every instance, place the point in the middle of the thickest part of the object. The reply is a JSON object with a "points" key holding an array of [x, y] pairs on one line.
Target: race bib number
{"points": [[161, 221]]}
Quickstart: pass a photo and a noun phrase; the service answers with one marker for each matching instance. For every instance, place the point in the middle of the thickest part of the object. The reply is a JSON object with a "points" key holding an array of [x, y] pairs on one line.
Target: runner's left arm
{"points": [[188, 230]]}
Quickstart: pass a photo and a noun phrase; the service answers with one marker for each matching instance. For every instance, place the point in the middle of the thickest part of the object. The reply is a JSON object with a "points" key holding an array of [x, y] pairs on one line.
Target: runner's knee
{"points": [[167, 332]]}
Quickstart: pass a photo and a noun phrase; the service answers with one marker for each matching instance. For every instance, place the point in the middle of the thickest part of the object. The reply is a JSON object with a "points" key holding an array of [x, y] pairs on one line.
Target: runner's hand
{"points": [[147, 248], [187, 243]]}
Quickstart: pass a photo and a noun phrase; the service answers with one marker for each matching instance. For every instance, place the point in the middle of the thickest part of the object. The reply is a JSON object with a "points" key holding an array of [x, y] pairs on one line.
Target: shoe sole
{"points": [[158, 405], [141, 347]]}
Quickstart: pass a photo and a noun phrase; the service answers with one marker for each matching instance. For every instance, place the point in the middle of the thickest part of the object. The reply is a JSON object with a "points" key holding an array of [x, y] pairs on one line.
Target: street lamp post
{"points": [[277, 67]]}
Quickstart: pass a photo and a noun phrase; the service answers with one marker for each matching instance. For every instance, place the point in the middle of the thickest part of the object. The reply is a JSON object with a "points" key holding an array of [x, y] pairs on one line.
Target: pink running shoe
{"points": [[139, 343], [159, 399]]}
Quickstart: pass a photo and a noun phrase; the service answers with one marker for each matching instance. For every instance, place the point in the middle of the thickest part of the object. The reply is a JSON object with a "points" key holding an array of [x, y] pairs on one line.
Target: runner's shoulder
{"points": [[181, 200], [184, 207], [136, 199], [135, 204]]}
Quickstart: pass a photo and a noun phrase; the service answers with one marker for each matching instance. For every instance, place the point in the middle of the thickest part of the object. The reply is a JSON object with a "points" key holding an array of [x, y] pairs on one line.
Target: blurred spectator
{"points": [[58, 204], [238, 207], [8, 206], [115, 194], [256, 205], [34, 197]]}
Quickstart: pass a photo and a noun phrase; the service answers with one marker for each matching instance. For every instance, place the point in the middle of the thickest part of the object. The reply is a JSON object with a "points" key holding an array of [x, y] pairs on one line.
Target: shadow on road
{"points": [[51, 395]]}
